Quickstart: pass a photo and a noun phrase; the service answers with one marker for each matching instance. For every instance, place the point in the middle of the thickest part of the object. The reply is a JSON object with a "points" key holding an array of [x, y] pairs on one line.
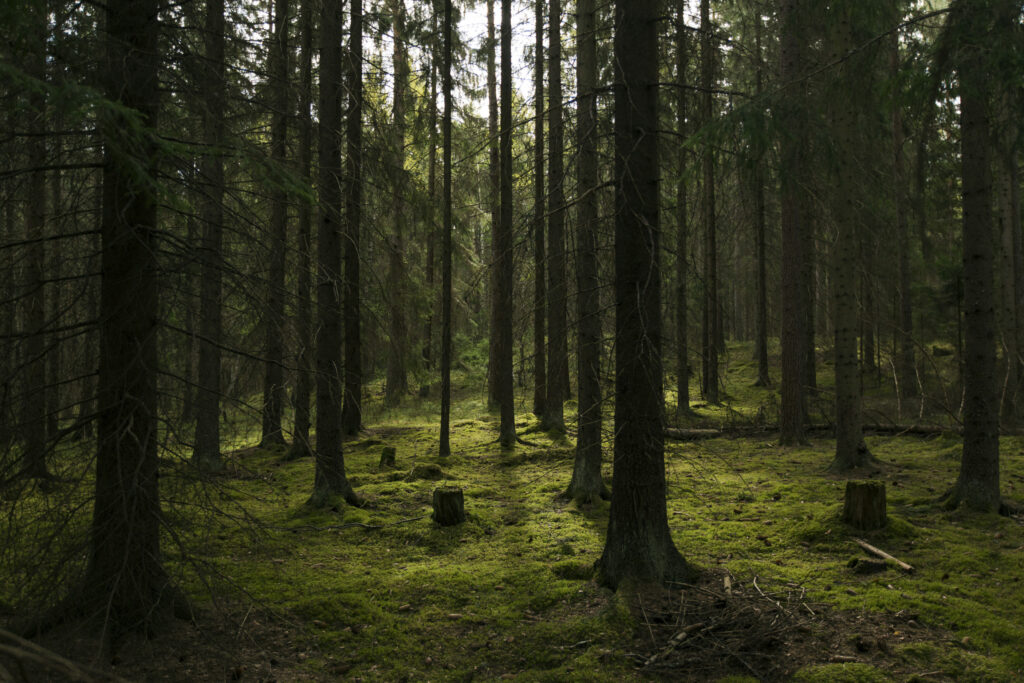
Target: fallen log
{"points": [[884, 555], [699, 434]]}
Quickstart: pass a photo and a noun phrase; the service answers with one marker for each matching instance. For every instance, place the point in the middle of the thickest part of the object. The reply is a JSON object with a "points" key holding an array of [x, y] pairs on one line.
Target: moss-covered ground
{"points": [[383, 593]]}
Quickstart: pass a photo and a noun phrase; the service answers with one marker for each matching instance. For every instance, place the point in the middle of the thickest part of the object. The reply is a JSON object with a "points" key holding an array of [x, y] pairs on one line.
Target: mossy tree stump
{"points": [[387, 457], [864, 505], [449, 506]]}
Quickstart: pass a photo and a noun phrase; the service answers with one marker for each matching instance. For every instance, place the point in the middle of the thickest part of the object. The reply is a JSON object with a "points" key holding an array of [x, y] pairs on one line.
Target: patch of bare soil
{"points": [[722, 626], [243, 646]]}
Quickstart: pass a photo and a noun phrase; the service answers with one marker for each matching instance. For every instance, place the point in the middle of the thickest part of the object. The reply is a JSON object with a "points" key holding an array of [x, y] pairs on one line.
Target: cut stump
{"points": [[864, 506], [449, 507], [387, 457]]}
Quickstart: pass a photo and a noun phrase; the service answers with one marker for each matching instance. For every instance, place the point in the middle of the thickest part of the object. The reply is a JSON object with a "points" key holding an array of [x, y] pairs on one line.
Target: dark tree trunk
{"points": [[794, 259], [906, 374], [431, 219], [446, 240], [557, 347], [850, 450], [760, 228], [711, 304], [682, 226], [540, 297], [504, 265], [494, 203], [273, 380], [397, 384], [639, 544], [33, 417], [978, 483], [207, 441], [330, 479], [586, 484], [352, 407], [301, 446], [125, 579]]}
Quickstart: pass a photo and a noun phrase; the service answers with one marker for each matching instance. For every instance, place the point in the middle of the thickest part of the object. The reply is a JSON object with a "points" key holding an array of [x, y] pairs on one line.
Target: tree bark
{"points": [[431, 231], [504, 265], [639, 546], [906, 372], [352, 407], [850, 450], [301, 446], [864, 505], [206, 454], [554, 417], [125, 580], [586, 484], [760, 229], [977, 485], [330, 479], [273, 380], [446, 246], [682, 225], [33, 417], [397, 383], [540, 296], [711, 303], [494, 202], [791, 160]]}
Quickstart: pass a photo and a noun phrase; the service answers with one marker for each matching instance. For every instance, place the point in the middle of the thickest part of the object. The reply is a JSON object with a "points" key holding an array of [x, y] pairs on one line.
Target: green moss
{"points": [[852, 672]]}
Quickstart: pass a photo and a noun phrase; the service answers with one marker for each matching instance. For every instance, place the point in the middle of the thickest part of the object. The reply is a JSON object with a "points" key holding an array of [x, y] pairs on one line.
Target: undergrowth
{"points": [[383, 593]]}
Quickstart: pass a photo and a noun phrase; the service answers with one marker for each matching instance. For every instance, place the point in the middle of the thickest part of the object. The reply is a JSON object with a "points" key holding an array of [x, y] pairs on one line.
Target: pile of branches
{"points": [[721, 627]]}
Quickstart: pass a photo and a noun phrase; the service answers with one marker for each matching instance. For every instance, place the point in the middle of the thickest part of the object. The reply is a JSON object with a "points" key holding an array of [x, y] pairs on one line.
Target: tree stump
{"points": [[864, 506], [387, 457], [449, 507]]}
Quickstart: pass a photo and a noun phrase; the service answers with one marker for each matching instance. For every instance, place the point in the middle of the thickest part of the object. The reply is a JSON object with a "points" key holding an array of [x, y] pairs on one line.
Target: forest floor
{"points": [[285, 592]]}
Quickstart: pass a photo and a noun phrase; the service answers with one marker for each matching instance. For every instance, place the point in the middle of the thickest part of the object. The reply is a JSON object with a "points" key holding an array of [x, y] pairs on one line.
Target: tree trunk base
{"points": [[449, 506], [864, 505]]}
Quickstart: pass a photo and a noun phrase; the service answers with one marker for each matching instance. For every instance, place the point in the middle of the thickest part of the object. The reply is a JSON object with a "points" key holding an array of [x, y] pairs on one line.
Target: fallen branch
{"points": [[673, 642], [884, 555], [678, 434], [349, 525]]}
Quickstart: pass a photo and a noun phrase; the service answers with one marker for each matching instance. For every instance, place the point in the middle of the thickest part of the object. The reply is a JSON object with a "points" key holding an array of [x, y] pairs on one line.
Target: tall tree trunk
{"points": [[206, 453], [682, 224], [586, 484], [494, 202], [977, 485], [33, 416], [504, 265], [397, 384], [792, 157], [304, 306], [850, 450], [639, 545], [431, 231], [1007, 188], [352, 408], [125, 580], [557, 347], [540, 297], [330, 479], [760, 228], [54, 299], [273, 381], [711, 304], [446, 240], [906, 373]]}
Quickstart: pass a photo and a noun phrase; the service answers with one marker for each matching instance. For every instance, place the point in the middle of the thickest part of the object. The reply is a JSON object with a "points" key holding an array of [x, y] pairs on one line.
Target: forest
{"points": [[511, 339]]}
